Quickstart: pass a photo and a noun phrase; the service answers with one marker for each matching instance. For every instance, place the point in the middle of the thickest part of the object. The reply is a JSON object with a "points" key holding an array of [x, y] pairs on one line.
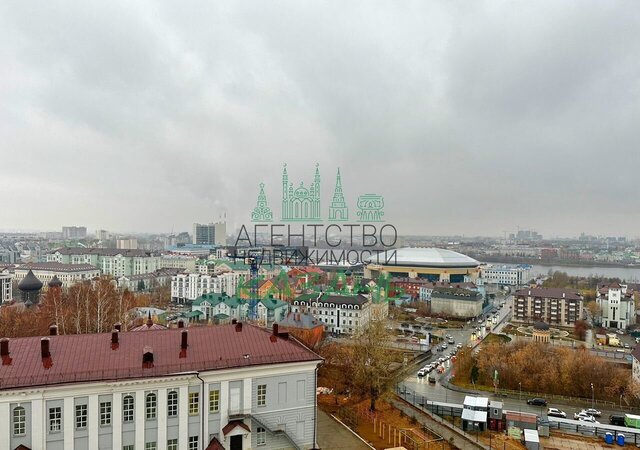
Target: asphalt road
{"points": [[438, 393]]}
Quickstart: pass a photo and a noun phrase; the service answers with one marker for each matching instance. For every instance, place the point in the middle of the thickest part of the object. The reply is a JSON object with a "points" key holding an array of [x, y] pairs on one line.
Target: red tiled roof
{"points": [[90, 357], [549, 293], [214, 445], [235, 423]]}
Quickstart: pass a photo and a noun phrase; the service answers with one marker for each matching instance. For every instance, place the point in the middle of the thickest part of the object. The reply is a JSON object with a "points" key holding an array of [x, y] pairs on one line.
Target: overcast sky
{"points": [[468, 117]]}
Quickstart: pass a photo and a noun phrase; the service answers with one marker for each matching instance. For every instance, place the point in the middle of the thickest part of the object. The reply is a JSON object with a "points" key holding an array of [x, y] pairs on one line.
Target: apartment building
{"points": [[226, 387], [617, 306], [555, 306], [341, 314], [110, 261], [221, 308], [187, 287]]}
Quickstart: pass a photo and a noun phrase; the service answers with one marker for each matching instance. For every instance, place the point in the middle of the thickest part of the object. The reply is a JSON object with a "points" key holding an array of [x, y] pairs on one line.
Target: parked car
{"points": [[459, 345], [422, 372], [616, 420], [592, 412], [432, 379], [444, 346], [537, 402], [451, 341], [555, 412]]}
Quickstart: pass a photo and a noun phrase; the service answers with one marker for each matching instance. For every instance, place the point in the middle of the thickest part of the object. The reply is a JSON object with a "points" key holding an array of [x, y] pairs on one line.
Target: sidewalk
{"points": [[334, 435], [461, 439]]}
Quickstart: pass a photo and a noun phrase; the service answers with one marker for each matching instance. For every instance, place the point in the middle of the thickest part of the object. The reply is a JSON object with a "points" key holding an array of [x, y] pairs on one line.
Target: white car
{"points": [[582, 417], [592, 412], [422, 372], [555, 412]]}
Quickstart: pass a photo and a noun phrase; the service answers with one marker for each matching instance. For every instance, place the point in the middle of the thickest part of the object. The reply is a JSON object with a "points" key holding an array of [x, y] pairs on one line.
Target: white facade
{"points": [[97, 416], [507, 275], [341, 315], [617, 306], [190, 286], [6, 293]]}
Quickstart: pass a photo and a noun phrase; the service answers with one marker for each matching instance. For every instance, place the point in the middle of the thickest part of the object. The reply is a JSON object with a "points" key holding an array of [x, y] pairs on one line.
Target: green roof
{"points": [[234, 264], [215, 299], [273, 303], [193, 313], [311, 296]]}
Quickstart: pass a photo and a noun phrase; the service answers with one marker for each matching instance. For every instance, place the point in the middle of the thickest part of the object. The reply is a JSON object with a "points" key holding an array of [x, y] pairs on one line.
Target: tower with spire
{"points": [[262, 212], [338, 210]]}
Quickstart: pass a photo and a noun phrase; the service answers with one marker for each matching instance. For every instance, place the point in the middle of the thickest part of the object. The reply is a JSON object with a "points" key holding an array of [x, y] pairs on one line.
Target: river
{"points": [[630, 274]]}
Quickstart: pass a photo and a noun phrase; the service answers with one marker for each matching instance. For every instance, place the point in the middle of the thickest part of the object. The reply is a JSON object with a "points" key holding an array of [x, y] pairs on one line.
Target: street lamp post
{"points": [[592, 396], [520, 386]]}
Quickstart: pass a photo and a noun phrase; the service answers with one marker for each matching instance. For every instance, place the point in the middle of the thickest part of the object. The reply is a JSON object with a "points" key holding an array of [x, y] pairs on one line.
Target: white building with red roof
{"points": [[226, 387]]}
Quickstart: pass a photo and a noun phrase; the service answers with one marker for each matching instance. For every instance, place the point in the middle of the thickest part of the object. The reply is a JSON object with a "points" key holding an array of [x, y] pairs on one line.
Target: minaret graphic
{"points": [[338, 210], [300, 204], [262, 212]]}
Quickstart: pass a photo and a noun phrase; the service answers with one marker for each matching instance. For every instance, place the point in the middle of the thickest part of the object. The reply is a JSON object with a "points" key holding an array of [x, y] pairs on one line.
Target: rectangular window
{"points": [[127, 408], [194, 403], [128, 447], [150, 407], [172, 444], [19, 421], [105, 414], [150, 446], [300, 390], [81, 416], [261, 436], [193, 442], [262, 395], [214, 400], [172, 404], [55, 419]]}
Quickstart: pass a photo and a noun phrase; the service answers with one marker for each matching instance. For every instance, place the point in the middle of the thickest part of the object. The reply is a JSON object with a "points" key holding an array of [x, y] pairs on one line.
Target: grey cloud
{"points": [[469, 117]]}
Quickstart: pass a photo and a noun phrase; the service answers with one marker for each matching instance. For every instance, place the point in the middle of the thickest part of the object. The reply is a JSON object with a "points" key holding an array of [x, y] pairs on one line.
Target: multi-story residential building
{"points": [[74, 232], [127, 244], [617, 306], [187, 287], [68, 274], [115, 262], [226, 387], [6, 292], [210, 233], [186, 263], [341, 314], [507, 275], [146, 281], [555, 306]]}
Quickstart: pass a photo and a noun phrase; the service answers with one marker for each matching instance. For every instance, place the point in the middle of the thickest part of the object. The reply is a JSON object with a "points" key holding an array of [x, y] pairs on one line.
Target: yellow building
{"points": [[433, 264]]}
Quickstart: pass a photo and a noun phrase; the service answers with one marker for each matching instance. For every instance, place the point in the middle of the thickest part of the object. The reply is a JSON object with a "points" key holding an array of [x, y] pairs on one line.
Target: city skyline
{"points": [[468, 119]]}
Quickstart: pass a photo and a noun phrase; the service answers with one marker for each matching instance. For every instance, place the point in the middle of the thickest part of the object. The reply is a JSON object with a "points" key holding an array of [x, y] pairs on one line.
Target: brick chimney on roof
{"points": [[147, 357], [184, 339], [180, 323], [53, 330], [118, 326], [44, 348], [238, 327], [115, 339], [4, 351]]}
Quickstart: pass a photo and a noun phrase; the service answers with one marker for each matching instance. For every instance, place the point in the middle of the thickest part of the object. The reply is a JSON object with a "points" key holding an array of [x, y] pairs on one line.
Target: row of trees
{"points": [[90, 307], [538, 367]]}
